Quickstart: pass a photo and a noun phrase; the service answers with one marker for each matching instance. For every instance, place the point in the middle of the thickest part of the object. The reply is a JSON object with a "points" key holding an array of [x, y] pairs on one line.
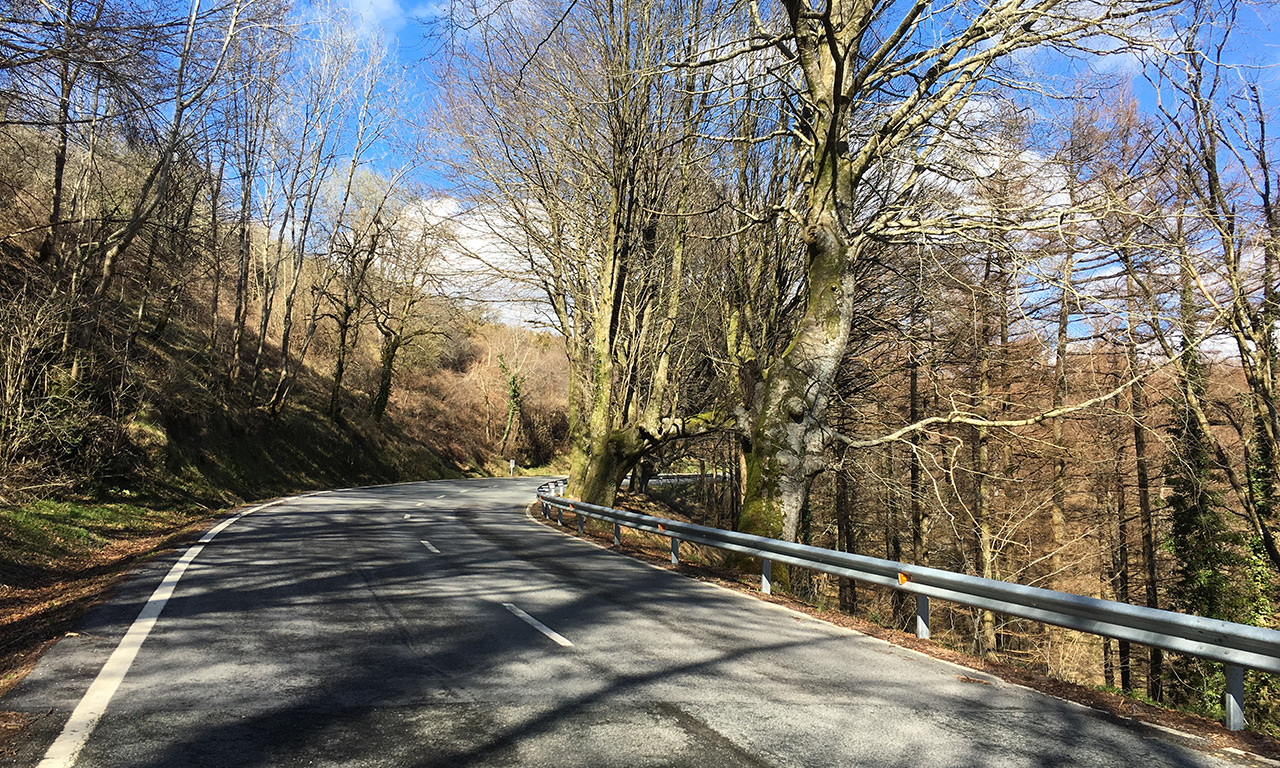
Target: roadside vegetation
{"points": [[214, 290], [58, 558]]}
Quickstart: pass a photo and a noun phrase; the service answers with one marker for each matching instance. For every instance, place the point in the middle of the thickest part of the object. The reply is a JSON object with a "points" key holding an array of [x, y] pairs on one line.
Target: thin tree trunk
{"points": [[390, 346], [919, 513], [846, 539], [215, 252], [1057, 516], [67, 76], [1121, 566], [241, 315], [986, 636], [340, 362], [1138, 415]]}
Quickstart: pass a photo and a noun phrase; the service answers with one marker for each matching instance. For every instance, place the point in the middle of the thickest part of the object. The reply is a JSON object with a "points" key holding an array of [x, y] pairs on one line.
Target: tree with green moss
{"points": [[885, 92]]}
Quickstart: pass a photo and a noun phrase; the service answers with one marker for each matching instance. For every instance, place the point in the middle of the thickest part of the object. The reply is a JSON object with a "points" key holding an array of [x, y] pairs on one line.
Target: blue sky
{"points": [[400, 21], [1256, 43]]}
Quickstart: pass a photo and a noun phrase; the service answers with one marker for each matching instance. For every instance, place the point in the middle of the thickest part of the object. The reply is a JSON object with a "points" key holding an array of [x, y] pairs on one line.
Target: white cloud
{"points": [[378, 15], [482, 266]]}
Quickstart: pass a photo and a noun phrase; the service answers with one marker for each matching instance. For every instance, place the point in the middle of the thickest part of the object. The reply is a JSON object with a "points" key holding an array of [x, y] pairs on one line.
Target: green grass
{"points": [[58, 558], [40, 536]]}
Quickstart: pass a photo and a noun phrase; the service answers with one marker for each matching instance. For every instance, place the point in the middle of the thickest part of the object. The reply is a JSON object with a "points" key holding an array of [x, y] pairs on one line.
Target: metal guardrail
{"points": [[684, 478], [1238, 646]]}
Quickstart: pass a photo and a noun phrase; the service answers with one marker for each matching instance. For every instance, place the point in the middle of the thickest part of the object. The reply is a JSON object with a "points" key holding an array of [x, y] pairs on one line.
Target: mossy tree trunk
{"points": [[386, 371], [787, 440], [593, 464], [864, 152]]}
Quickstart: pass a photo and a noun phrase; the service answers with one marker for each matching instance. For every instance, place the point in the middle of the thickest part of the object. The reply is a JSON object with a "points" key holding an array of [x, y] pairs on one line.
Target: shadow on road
{"points": [[324, 633]]}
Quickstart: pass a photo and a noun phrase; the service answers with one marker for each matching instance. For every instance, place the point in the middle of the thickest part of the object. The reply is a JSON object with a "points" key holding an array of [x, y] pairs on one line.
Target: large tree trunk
{"points": [[593, 461], [788, 437], [595, 457]]}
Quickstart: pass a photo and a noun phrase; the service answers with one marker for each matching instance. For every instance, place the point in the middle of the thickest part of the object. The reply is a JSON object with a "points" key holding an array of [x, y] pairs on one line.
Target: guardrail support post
{"points": [[617, 535], [579, 523], [675, 551], [559, 516], [766, 576], [1234, 696], [922, 617]]}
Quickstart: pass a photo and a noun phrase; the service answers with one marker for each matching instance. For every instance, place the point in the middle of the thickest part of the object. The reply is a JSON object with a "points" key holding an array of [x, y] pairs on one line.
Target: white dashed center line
{"points": [[543, 628], [430, 546]]}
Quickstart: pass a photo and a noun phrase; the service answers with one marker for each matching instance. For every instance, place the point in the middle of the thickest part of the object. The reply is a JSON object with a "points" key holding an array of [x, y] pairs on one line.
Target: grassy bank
{"points": [[58, 558]]}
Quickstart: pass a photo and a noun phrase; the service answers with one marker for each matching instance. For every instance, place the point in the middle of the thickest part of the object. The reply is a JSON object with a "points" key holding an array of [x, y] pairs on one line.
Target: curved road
{"points": [[435, 624]]}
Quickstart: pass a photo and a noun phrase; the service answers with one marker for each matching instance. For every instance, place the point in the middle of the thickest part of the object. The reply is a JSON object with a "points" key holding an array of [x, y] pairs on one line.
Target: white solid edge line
{"points": [[84, 718], [543, 628], [429, 546]]}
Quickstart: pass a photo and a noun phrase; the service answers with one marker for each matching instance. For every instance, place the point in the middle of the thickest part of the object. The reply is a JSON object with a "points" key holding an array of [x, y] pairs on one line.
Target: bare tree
{"points": [[577, 145], [349, 105], [882, 88]]}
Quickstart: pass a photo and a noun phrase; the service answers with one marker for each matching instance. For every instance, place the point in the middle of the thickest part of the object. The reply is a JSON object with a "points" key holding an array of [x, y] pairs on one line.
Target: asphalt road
{"points": [[393, 626]]}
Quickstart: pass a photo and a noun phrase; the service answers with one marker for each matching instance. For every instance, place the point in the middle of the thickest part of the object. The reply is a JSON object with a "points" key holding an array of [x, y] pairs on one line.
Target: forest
{"points": [[990, 287]]}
